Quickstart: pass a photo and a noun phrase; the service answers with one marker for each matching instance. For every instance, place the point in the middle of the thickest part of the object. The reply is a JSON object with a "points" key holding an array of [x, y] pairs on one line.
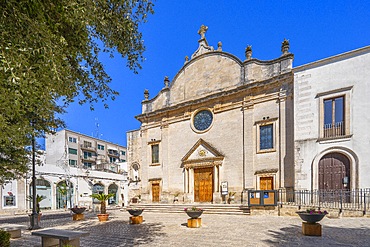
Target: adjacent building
{"points": [[332, 112], [72, 167]]}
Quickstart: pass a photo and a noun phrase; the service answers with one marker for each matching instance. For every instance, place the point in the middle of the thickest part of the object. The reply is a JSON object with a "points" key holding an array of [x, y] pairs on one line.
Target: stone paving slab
{"points": [[169, 229]]}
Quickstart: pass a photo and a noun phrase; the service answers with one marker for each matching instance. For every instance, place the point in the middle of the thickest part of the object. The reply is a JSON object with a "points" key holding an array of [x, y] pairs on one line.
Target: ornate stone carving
{"points": [[219, 46], [146, 94], [285, 47], [248, 52], [166, 82], [202, 31], [203, 44]]}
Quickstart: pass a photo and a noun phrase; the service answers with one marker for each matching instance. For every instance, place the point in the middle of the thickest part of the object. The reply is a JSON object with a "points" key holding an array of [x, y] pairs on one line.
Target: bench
{"points": [[14, 230], [59, 237]]}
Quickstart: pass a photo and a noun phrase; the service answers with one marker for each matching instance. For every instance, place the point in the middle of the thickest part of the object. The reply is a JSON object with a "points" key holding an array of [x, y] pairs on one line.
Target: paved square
{"points": [[169, 229]]}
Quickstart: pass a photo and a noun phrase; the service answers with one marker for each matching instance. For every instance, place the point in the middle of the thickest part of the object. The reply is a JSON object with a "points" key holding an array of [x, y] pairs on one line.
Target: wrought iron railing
{"points": [[334, 130], [355, 199]]}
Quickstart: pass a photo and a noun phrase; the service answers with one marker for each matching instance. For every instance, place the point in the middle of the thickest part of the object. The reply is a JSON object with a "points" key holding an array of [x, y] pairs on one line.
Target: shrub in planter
{"points": [[4, 239]]}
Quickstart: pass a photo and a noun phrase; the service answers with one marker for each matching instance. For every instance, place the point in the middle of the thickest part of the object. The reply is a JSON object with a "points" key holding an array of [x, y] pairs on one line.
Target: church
{"points": [[222, 124]]}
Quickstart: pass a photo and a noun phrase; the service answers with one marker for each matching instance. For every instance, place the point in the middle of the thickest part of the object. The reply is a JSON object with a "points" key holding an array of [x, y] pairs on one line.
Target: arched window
{"points": [[97, 189], [43, 188], [113, 189], [64, 194]]}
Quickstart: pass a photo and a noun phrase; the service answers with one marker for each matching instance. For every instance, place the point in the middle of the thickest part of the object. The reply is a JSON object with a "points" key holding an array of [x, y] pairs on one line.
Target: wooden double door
{"points": [[155, 192], [334, 177], [266, 183], [203, 184]]}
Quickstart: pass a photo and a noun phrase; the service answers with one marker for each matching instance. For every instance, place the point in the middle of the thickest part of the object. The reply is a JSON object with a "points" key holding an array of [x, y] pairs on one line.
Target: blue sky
{"points": [[315, 29]]}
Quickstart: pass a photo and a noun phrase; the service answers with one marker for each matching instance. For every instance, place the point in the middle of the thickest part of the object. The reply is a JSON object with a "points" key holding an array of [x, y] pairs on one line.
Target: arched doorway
{"points": [[43, 188], [97, 189], [64, 194], [113, 189], [334, 174]]}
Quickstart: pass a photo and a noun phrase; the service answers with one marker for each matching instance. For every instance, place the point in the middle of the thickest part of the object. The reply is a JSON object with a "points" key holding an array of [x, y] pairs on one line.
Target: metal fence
{"points": [[355, 199]]}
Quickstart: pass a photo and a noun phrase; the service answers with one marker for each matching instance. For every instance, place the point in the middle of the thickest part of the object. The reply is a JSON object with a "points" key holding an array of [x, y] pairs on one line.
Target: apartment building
{"points": [[83, 151]]}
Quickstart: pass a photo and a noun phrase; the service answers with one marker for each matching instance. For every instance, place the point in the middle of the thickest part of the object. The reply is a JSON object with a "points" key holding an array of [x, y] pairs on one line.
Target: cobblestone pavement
{"points": [[169, 229]]}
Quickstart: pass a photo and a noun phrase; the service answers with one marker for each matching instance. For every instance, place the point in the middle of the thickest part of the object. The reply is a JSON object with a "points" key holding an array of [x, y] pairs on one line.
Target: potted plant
{"points": [[176, 197], [103, 198], [38, 200], [78, 213], [312, 215], [193, 212], [231, 197], [78, 210]]}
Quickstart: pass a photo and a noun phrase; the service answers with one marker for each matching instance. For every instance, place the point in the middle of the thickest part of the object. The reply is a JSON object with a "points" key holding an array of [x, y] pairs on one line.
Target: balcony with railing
{"points": [[334, 130], [88, 158], [113, 152], [107, 167], [87, 147]]}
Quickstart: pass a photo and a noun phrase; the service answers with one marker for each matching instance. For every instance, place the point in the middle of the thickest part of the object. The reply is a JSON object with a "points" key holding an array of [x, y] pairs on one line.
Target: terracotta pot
{"points": [[39, 217], [103, 217]]}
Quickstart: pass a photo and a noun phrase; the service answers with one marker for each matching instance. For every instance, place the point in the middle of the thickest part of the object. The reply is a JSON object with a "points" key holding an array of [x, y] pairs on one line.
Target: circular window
{"points": [[202, 120]]}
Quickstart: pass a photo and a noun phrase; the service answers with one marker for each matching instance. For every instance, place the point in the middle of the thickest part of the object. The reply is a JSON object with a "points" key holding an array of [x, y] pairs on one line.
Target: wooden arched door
{"points": [[334, 173]]}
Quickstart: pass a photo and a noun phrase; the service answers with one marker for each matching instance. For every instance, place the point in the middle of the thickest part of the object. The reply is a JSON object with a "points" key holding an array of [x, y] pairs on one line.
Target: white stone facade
{"points": [[240, 98], [345, 77]]}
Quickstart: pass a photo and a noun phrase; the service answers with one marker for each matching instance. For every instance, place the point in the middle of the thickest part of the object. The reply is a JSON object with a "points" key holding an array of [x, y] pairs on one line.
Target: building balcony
{"points": [[334, 130], [87, 158], [112, 152], [89, 148], [107, 167]]}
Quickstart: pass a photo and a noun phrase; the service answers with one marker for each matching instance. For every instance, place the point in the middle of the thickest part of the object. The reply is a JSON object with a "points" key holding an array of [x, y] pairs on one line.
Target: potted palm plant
{"points": [[103, 198], [38, 200]]}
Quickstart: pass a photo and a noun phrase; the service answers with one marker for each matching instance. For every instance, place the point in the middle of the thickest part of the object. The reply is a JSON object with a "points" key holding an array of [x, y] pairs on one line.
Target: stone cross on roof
{"points": [[202, 31], [203, 44]]}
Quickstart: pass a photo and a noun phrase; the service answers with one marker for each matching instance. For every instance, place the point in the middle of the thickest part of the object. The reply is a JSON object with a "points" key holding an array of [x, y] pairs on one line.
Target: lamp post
{"points": [[34, 223]]}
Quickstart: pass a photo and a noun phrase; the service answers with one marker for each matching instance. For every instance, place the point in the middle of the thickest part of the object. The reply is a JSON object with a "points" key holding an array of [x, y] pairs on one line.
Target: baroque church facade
{"points": [[220, 121]]}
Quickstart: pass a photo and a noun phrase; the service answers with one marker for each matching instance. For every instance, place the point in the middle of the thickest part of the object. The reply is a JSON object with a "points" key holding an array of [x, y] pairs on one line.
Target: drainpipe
{"points": [[243, 154], [280, 141]]}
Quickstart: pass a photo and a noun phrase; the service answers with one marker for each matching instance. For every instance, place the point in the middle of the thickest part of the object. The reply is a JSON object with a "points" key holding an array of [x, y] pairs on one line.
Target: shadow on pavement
{"points": [[331, 236]]}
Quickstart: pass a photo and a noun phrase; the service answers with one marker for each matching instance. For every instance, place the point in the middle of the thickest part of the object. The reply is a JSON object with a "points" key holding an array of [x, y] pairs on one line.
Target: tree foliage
{"points": [[50, 57]]}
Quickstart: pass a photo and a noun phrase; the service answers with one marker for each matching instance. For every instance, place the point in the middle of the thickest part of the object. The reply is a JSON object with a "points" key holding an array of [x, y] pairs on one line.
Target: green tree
{"points": [[49, 58]]}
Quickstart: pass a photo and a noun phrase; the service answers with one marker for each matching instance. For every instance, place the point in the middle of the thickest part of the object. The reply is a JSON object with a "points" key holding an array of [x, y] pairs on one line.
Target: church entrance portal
{"points": [[203, 184]]}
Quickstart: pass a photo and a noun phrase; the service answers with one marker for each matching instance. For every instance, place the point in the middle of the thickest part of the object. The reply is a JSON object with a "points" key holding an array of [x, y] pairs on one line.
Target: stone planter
{"points": [[194, 214], [310, 218], [135, 212], [78, 210]]}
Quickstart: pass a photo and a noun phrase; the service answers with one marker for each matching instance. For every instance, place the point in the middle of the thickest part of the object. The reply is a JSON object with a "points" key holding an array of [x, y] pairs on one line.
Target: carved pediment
{"points": [[202, 154]]}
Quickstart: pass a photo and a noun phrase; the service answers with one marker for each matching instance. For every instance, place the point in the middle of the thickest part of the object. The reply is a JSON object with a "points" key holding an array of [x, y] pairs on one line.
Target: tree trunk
{"points": [[103, 209]]}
